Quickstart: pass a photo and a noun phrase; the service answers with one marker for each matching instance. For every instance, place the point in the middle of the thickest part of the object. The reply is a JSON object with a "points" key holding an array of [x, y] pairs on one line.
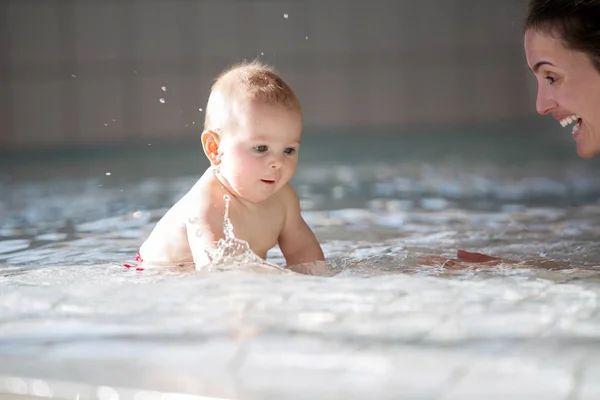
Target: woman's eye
{"points": [[261, 148], [289, 150]]}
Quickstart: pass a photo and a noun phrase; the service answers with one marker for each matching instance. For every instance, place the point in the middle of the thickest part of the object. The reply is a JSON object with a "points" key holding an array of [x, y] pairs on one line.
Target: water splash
{"points": [[227, 225], [233, 253]]}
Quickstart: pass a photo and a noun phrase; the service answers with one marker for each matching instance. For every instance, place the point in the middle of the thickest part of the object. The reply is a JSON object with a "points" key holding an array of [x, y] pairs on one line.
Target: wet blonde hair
{"points": [[246, 81]]}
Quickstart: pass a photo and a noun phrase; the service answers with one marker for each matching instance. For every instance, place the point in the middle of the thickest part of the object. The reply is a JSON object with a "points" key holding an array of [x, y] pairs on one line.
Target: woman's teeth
{"points": [[566, 121]]}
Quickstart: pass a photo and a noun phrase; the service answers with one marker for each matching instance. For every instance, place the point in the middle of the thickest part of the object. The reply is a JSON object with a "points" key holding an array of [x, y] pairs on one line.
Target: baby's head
{"points": [[239, 84], [252, 130]]}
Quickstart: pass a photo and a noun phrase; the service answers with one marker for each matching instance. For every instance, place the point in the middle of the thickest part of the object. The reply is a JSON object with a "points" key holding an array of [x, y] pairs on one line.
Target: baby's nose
{"points": [[276, 163]]}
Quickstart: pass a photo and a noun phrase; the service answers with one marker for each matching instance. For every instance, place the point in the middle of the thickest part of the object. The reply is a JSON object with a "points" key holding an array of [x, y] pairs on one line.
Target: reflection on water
{"points": [[391, 315]]}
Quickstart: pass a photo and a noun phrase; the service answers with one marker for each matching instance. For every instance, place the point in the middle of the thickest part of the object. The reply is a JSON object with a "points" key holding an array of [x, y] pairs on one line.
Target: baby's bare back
{"points": [[195, 223], [168, 242]]}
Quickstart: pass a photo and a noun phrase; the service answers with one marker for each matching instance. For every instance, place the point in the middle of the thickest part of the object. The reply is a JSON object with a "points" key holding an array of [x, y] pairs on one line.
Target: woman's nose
{"points": [[544, 101]]}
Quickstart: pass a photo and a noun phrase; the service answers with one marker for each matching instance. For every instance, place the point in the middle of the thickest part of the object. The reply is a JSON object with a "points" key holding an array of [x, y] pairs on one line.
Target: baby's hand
{"points": [[318, 268]]}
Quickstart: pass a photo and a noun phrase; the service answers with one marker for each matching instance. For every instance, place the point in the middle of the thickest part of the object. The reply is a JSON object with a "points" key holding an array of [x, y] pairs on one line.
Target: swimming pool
{"points": [[73, 321]]}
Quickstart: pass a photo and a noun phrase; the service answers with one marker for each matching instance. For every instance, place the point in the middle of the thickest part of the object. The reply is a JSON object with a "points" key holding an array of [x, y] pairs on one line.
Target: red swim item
{"points": [[138, 259], [475, 257]]}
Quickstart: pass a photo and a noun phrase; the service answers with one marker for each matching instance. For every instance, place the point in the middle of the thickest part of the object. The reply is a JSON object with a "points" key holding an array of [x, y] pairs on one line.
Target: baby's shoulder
{"points": [[288, 198], [201, 200]]}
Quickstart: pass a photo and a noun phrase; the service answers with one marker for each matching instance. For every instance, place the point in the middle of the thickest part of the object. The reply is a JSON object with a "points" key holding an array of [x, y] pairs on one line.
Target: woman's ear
{"points": [[210, 144]]}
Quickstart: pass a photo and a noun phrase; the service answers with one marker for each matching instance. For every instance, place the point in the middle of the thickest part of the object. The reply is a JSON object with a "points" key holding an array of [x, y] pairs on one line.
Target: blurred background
{"points": [[84, 73], [421, 138]]}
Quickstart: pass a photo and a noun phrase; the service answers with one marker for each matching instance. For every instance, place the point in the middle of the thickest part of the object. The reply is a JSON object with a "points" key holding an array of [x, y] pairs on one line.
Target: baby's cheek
{"points": [[291, 166], [247, 167]]}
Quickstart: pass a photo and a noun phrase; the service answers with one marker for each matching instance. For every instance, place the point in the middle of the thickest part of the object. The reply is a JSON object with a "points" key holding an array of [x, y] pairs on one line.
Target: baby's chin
{"points": [[257, 197]]}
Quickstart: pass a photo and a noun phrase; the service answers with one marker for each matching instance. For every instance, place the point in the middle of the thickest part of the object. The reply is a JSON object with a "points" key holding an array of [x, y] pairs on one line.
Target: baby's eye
{"points": [[261, 149], [551, 79], [289, 150]]}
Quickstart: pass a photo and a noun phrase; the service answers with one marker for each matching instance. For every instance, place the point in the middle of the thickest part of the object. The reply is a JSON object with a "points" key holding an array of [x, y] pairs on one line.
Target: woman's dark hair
{"points": [[576, 22]]}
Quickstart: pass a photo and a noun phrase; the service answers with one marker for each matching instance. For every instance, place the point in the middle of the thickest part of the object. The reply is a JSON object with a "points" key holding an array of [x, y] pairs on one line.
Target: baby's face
{"points": [[259, 156]]}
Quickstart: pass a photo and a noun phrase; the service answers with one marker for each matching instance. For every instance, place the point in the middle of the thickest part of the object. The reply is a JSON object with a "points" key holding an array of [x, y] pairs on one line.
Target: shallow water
{"points": [[387, 320]]}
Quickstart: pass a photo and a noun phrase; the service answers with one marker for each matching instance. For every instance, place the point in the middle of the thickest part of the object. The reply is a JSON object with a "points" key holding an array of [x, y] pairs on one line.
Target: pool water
{"points": [[389, 318]]}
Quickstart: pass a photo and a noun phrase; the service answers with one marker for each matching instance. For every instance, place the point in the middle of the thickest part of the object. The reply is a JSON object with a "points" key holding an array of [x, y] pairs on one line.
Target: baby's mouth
{"points": [[268, 181]]}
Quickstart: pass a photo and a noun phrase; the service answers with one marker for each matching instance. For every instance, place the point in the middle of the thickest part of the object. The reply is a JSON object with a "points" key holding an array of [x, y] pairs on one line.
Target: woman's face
{"points": [[568, 88]]}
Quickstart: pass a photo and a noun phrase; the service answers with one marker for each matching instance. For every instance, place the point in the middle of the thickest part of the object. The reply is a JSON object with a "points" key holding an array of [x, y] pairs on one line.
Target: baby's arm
{"points": [[297, 241]]}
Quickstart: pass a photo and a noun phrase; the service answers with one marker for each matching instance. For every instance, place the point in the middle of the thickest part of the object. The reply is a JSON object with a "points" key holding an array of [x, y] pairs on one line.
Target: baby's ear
{"points": [[210, 144]]}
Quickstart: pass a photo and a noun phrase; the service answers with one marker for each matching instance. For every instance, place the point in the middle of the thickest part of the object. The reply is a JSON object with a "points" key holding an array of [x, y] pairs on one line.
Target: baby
{"points": [[251, 137]]}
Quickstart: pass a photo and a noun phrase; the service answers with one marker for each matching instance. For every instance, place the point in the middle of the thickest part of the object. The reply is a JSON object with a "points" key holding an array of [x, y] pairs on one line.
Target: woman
{"points": [[562, 45]]}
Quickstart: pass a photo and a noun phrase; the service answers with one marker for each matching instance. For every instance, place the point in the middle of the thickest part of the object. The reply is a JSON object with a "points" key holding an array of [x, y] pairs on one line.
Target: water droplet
{"points": [[200, 109], [186, 125], [41, 388], [161, 100], [134, 71], [114, 120], [105, 124], [262, 54], [164, 88], [108, 174], [193, 122], [107, 393], [305, 37], [16, 385], [285, 16], [149, 144], [74, 76]]}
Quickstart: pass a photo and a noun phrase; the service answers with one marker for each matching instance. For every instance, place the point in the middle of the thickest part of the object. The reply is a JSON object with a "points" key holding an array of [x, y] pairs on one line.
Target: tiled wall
{"points": [[80, 72]]}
